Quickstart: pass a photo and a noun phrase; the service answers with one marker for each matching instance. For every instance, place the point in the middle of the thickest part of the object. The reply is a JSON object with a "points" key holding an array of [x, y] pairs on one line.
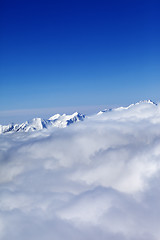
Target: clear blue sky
{"points": [[56, 53]]}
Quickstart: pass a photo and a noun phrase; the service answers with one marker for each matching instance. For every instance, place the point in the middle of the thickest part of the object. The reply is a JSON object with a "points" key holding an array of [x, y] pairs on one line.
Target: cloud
{"points": [[98, 179]]}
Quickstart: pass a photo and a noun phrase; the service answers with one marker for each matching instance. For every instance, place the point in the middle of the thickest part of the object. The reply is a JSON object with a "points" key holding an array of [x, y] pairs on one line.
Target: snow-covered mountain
{"points": [[135, 112], [139, 110], [131, 106], [60, 121]]}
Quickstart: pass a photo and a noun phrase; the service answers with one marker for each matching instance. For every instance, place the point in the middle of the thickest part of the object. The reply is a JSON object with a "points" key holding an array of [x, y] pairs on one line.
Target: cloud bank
{"points": [[97, 179]]}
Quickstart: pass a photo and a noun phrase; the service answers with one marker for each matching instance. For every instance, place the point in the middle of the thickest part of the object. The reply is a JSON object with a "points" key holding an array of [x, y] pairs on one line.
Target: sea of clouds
{"points": [[97, 179]]}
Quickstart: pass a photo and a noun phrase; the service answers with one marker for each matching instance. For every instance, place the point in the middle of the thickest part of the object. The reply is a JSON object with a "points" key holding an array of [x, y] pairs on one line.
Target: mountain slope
{"points": [[140, 110], [60, 121]]}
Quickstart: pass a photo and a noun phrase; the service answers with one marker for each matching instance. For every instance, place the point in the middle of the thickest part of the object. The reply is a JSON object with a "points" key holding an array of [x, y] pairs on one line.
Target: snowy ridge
{"points": [[136, 104], [142, 103], [36, 124], [139, 110]]}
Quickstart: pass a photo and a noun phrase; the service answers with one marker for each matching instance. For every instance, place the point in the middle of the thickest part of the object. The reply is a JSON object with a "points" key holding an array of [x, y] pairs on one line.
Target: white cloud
{"points": [[98, 179]]}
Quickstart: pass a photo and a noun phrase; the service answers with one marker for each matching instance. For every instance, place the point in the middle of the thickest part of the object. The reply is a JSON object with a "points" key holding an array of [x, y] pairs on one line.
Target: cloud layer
{"points": [[98, 179]]}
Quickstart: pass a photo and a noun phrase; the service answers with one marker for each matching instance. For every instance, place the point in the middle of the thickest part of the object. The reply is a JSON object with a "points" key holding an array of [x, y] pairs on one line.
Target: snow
{"points": [[54, 117], [62, 121], [36, 124]]}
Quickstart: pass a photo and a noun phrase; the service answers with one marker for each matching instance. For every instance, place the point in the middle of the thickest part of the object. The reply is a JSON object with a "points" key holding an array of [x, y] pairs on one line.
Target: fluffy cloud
{"points": [[98, 179]]}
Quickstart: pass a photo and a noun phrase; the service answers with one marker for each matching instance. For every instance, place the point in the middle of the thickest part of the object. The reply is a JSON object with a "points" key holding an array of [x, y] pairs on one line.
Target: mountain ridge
{"points": [[62, 121], [36, 124]]}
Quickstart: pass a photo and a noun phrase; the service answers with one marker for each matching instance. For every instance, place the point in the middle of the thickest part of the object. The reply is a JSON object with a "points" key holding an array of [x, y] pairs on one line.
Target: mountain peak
{"points": [[128, 107], [36, 124], [64, 120], [54, 117], [146, 101]]}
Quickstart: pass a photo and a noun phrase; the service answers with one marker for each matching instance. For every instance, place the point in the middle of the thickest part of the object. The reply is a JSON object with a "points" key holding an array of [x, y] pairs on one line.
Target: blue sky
{"points": [[78, 53]]}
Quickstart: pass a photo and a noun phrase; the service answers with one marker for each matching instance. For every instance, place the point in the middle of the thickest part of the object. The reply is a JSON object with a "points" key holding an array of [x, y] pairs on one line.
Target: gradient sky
{"points": [[78, 53]]}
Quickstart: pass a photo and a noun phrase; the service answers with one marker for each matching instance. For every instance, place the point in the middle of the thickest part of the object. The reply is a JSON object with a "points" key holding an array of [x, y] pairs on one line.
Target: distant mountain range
{"points": [[62, 121]]}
